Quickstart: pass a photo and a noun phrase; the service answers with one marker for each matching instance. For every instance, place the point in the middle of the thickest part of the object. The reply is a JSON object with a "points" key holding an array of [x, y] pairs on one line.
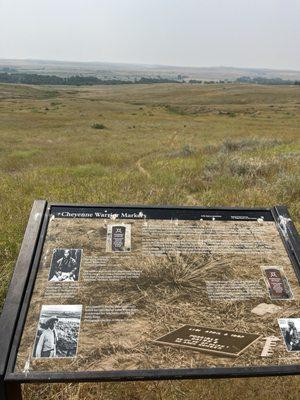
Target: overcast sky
{"points": [[241, 33]]}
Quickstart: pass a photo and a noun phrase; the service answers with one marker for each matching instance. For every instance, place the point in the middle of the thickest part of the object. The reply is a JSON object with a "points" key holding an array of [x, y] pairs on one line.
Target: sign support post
{"points": [[14, 299], [13, 391]]}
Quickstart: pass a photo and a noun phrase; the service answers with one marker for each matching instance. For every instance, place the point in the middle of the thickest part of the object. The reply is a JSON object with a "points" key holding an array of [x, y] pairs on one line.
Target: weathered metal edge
{"points": [[15, 294]]}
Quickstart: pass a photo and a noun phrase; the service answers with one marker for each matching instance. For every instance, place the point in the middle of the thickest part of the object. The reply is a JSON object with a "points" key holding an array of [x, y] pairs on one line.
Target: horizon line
{"points": [[148, 65]]}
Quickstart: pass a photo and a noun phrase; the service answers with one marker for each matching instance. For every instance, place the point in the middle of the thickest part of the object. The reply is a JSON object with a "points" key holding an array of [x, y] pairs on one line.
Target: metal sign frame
{"points": [[20, 290]]}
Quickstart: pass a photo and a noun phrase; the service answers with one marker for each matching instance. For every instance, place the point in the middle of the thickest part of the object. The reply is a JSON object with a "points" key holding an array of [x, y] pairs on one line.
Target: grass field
{"points": [[157, 144]]}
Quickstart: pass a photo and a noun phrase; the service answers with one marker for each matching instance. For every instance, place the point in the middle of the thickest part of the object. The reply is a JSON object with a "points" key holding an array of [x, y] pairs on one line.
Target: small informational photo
{"points": [[118, 237], [290, 330], [277, 283], [65, 265], [58, 331]]}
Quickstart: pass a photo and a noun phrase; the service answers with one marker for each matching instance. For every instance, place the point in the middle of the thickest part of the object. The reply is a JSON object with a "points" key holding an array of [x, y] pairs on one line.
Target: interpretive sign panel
{"points": [[141, 292]]}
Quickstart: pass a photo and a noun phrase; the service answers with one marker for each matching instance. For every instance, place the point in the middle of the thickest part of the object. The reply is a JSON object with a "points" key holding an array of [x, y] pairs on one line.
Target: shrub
{"points": [[252, 167], [98, 126], [229, 145], [288, 187]]}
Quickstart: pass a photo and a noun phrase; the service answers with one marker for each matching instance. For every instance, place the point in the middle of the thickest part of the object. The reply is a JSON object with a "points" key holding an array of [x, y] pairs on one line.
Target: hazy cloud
{"points": [[247, 33]]}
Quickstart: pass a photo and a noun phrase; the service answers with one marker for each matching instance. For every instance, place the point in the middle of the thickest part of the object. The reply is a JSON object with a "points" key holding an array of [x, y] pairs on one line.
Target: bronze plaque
{"points": [[218, 341], [118, 238], [277, 283]]}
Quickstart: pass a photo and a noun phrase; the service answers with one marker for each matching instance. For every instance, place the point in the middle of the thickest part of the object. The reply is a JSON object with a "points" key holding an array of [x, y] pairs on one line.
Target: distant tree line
{"points": [[267, 81], [247, 79], [197, 81], [78, 80], [155, 80]]}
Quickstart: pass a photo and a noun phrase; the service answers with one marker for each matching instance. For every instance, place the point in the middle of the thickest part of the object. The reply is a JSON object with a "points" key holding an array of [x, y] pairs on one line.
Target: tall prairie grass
{"points": [[166, 144]]}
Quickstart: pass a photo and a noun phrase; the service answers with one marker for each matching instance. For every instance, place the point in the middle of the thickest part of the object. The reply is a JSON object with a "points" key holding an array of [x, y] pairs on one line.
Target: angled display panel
{"points": [[123, 293]]}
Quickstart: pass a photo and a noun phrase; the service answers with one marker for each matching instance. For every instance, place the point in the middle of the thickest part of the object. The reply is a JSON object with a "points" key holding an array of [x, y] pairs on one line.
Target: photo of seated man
{"points": [[65, 265], [290, 330]]}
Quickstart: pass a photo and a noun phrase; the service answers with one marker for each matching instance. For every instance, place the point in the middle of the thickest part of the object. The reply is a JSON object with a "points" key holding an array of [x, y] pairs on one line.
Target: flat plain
{"points": [[209, 145]]}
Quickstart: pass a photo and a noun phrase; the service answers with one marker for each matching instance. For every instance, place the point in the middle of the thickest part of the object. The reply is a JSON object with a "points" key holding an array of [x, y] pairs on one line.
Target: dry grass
{"points": [[286, 388]]}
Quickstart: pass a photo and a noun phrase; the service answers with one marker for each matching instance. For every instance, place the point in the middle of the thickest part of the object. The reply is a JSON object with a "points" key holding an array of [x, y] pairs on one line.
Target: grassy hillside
{"points": [[157, 144]]}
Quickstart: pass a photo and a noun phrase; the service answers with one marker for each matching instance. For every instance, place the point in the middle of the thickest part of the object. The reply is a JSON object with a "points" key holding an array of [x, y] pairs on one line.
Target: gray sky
{"points": [[241, 33]]}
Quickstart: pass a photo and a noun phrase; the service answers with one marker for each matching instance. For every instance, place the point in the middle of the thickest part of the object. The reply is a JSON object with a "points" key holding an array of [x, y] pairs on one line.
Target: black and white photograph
{"points": [[118, 238], [290, 330], [65, 265], [58, 331]]}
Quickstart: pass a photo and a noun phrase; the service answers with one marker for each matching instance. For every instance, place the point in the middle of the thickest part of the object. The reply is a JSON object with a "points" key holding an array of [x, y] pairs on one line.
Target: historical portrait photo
{"points": [[290, 330], [65, 265], [58, 331], [118, 238]]}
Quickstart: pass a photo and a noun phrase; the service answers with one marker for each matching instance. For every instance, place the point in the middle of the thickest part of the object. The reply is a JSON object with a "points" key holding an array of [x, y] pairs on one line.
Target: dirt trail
{"points": [[171, 142], [141, 168]]}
